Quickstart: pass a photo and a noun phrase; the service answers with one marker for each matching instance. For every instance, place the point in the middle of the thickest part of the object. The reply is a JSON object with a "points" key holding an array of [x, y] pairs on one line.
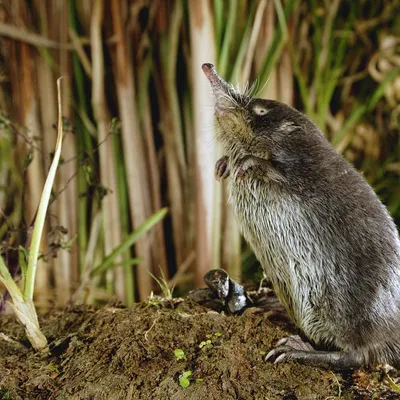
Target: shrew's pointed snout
{"points": [[216, 81], [223, 92], [211, 73]]}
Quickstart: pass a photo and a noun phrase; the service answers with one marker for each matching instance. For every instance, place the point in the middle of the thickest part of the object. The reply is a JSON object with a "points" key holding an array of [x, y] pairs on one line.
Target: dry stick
{"points": [[111, 216], [137, 175], [29, 37], [203, 50]]}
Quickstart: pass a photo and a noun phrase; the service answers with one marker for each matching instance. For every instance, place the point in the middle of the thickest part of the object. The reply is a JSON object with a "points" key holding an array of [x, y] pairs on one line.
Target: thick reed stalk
{"points": [[48, 111], [171, 123], [159, 249], [67, 201], [111, 217], [135, 163], [29, 116], [84, 146], [203, 50]]}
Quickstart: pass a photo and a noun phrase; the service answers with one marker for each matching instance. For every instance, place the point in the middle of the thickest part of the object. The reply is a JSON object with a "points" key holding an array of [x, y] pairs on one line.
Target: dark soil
{"points": [[119, 353]]}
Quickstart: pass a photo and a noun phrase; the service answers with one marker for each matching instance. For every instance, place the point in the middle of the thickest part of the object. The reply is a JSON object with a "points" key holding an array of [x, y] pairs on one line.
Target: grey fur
{"points": [[323, 237]]}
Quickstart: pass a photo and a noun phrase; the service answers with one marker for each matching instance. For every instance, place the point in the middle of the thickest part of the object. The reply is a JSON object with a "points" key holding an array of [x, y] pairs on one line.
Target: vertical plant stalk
{"points": [[159, 251], [203, 50], [42, 209], [265, 39], [111, 217], [30, 119], [48, 112], [245, 74], [171, 128], [135, 163], [22, 301], [66, 263], [83, 146]]}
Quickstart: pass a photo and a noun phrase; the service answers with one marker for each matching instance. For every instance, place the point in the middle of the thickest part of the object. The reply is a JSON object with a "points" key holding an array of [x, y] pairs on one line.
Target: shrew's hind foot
{"points": [[222, 170], [294, 348]]}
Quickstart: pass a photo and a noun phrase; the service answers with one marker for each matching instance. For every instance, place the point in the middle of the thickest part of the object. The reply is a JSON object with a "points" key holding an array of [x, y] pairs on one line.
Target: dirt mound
{"points": [[155, 349]]}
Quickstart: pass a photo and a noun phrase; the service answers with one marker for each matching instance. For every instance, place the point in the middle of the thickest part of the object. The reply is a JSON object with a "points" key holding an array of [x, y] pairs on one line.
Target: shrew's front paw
{"points": [[222, 170], [244, 167]]}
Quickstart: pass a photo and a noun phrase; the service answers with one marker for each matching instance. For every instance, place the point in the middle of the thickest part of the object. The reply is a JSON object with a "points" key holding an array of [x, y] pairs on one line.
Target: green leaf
{"points": [[179, 354], [187, 374], [223, 60], [129, 241], [184, 382], [126, 263], [184, 379]]}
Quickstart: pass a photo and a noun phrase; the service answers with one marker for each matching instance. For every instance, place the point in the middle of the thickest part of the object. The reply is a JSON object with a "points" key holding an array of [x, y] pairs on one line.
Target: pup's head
{"points": [[263, 128]]}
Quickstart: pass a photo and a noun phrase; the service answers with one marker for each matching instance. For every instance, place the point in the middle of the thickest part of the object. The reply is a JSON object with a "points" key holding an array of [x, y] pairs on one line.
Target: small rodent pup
{"points": [[322, 236]]}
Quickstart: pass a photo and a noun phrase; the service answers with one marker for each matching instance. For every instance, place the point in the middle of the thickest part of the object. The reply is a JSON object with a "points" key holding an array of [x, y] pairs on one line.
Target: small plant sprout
{"points": [[179, 355], [205, 344], [162, 282], [184, 379], [22, 298]]}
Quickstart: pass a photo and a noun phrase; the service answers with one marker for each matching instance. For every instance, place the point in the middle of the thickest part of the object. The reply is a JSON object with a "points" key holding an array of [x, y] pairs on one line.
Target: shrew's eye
{"points": [[260, 110]]}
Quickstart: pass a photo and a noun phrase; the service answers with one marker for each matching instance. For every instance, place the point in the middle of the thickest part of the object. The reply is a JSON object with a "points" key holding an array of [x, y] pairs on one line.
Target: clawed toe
{"points": [[295, 342], [286, 353], [291, 347], [222, 170], [278, 352]]}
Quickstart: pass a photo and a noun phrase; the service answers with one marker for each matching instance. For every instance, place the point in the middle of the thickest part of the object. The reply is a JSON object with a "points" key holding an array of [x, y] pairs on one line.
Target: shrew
{"points": [[322, 236]]}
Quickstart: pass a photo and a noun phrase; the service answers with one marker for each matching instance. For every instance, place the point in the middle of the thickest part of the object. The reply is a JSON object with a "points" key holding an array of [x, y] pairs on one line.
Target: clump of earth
{"points": [[167, 349]]}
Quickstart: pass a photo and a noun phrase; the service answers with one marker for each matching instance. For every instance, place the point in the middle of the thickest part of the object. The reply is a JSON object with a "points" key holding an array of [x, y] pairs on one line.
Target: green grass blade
{"points": [[223, 60], [130, 240], [278, 39], [358, 112], [218, 22], [243, 45], [125, 263]]}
